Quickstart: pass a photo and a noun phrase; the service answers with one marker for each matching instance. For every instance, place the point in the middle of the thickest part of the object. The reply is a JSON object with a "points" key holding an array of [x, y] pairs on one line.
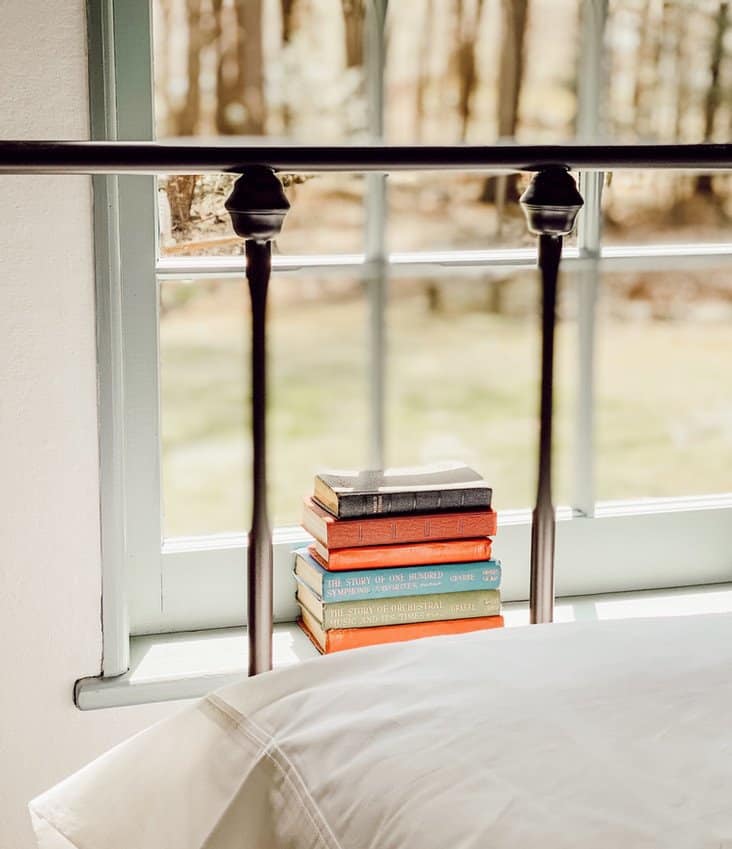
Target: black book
{"points": [[437, 488]]}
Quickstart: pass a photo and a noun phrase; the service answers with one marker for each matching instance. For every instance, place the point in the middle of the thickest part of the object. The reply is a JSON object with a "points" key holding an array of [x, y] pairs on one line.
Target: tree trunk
{"points": [[714, 91], [162, 70], [180, 190], [240, 104], [468, 26], [185, 119], [514, 14], [287, 9], [423, 69], [353, 20], [643, 66], [677, 42]]}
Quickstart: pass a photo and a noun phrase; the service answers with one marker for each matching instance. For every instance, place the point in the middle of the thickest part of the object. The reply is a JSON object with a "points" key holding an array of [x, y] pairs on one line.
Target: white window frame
{"points": [[153, 585]]}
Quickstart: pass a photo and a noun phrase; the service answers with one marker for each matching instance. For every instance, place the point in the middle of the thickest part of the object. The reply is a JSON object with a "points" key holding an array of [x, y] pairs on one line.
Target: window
{"points": [[403, 322]]}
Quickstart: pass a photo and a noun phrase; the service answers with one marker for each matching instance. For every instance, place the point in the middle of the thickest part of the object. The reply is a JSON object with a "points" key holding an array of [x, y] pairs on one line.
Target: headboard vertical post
{"points": [[551, 203], [257, 206]]}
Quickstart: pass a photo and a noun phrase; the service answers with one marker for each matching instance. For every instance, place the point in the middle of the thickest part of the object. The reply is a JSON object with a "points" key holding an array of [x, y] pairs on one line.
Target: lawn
{"points": [[461, 384]]}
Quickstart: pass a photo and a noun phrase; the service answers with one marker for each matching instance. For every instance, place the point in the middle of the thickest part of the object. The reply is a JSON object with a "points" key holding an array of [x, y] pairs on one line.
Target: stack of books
{"points": [[397, 554]]}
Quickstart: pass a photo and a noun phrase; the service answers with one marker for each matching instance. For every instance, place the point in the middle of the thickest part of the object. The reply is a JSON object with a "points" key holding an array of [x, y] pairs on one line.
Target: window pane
{"points": [[453, 75], [251, 68], [667, 67], [463, 366], [664, 398], [658, 207], [480, 71], [317, 344], [449, 210]]}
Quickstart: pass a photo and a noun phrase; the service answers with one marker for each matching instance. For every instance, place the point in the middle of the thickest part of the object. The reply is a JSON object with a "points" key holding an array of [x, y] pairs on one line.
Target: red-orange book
{"points": [[401, 554], [388, 530], [340, 639]]}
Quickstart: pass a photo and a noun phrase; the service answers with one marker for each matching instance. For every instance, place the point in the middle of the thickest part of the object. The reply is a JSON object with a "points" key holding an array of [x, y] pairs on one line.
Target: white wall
{"points": [[49, 515]]}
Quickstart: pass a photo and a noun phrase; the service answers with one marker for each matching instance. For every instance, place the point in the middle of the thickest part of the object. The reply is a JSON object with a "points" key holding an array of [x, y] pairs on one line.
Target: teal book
{"points": [[396, 581]]}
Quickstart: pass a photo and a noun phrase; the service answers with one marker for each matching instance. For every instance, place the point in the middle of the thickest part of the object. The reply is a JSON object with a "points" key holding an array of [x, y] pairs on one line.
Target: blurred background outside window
{"points": [[460, 349]]}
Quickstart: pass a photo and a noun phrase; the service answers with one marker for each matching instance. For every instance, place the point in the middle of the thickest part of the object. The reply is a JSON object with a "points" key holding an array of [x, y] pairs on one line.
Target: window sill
{"points": [[166, 667], [623, 546]]}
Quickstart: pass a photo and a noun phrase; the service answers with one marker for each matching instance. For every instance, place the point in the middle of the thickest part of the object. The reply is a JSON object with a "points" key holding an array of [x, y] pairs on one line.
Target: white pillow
{"points": [[597, 735]]}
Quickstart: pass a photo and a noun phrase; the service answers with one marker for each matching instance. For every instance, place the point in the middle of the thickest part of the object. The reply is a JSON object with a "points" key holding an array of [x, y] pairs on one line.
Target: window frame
{"points": [[151, 584]]}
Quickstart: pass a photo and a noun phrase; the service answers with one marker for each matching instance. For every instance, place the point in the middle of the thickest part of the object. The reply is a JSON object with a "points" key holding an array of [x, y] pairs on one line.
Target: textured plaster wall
{"points": [[49, 487]]}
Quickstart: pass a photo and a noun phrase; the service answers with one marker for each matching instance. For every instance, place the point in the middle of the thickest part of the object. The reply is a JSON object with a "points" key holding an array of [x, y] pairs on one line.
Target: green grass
{"points": [[460, 385]]}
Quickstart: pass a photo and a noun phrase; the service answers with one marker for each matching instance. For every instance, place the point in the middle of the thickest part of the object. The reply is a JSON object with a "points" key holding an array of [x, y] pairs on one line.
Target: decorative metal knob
{"points": [[551, 202], [257, 204]]}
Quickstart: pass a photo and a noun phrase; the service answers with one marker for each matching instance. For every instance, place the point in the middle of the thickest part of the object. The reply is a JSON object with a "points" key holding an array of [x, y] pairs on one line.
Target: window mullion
{"points": [[375, 231], [589, 243], [583, 485], [110, 352], [137, 242]]}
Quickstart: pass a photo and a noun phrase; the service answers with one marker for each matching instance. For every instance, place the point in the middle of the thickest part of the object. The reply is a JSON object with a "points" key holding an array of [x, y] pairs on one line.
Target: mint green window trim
{"points": [[154, 585]]}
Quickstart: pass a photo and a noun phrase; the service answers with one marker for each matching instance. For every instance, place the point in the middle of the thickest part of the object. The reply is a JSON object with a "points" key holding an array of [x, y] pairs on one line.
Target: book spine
{"points": [[406, 554], [398, 611], [396, 583], [354, 638], [354, 532], [406, 529], [353, 505]]}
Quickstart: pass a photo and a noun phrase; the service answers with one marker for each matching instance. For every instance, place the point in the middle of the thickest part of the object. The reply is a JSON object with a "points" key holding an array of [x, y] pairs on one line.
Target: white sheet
{"points": [[614, 734]]}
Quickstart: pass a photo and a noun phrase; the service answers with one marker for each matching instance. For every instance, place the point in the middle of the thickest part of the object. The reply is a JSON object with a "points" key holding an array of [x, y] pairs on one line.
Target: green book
{"points": [[368, 613]]}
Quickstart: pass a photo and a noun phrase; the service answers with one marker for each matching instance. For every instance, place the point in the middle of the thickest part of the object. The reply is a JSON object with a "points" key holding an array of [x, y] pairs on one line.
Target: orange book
{"points": [[388, 530], [340, 639], [404, 554]]}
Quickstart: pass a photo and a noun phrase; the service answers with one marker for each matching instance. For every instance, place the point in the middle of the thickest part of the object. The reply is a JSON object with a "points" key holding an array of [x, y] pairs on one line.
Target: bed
{"points": [[612, 734]]}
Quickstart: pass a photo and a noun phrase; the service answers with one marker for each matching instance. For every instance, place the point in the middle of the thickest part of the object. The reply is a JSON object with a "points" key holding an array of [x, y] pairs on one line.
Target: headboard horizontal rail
{"points": [[118, 157]]}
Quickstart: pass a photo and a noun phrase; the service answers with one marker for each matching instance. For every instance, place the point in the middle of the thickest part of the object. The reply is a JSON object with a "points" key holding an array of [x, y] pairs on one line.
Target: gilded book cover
{"points": [[369, 613]]}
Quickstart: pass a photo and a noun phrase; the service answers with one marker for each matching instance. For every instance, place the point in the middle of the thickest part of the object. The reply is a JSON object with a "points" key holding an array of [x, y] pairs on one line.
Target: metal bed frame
{"points": [[257, 206]]}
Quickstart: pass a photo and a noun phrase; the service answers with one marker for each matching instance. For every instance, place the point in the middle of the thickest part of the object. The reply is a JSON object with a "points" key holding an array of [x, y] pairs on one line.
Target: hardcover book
{"points": [[387, 530], [392, 583], [369, 613], [331, 641], [402, 554], [425, 489]]}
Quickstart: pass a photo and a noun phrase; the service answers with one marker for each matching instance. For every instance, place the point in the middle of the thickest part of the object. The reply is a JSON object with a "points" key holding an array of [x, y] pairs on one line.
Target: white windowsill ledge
{"points": [[188, 665]]}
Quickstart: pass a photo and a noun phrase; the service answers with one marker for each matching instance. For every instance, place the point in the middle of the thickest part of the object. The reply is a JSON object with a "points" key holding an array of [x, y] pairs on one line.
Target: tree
{"points": [[354, 12], [514, 14], [186, 117], [678, 46], [184, 120], [468, 28], [162, 67], [240, 102], [645, 67], [180, 190], [714, 91], [287, 10], [514, 17], [423, 67]]}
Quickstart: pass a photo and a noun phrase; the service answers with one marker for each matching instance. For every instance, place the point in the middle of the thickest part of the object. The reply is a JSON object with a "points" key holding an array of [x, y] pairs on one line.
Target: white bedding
{"points": [[613, 734]]}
